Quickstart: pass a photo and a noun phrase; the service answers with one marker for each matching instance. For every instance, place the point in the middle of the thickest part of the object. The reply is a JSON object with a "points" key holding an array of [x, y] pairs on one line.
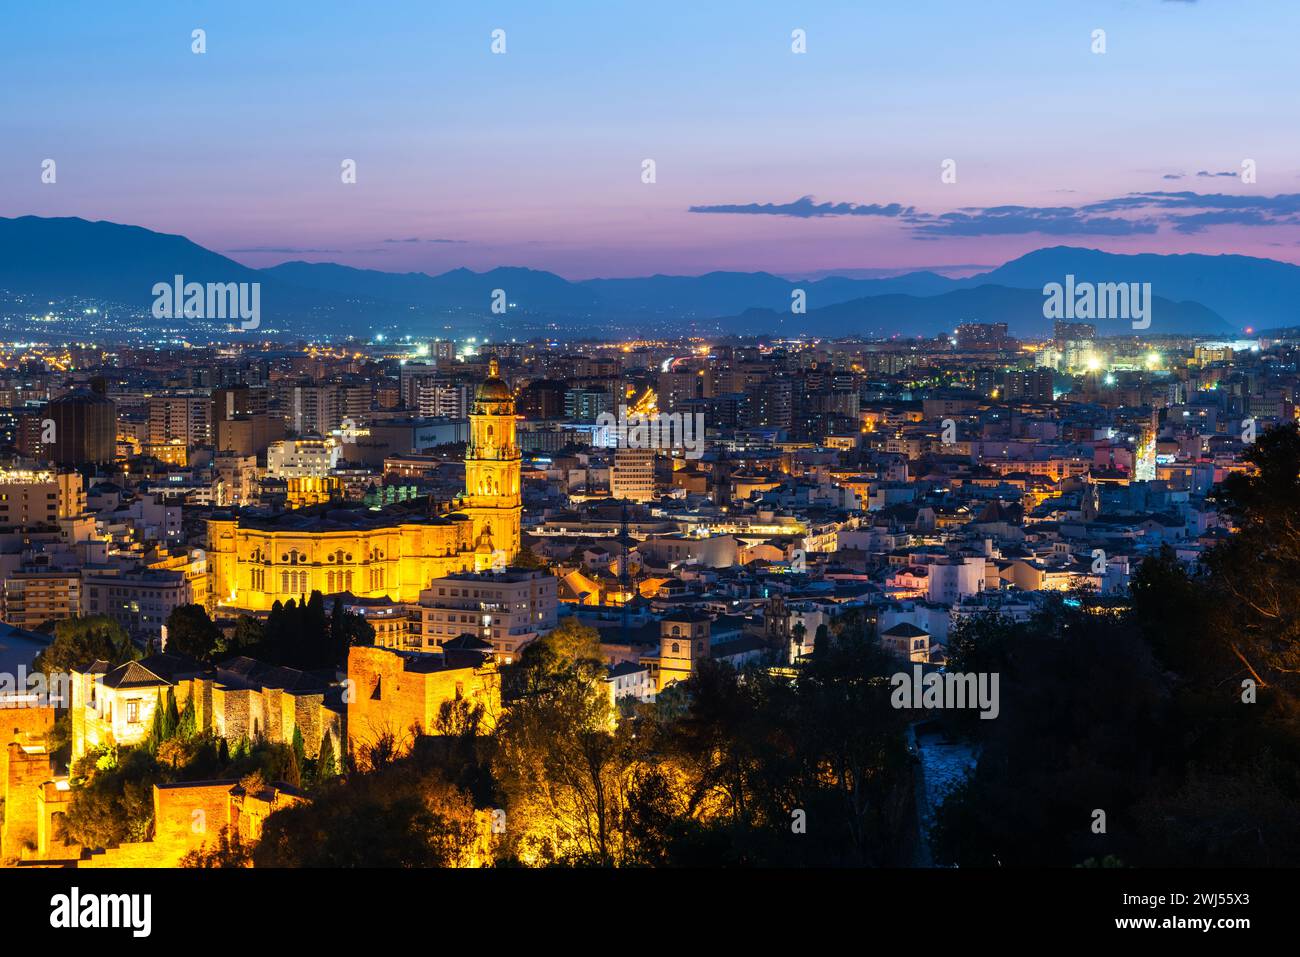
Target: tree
{"points": [[191, 632], [562, 757], [1255, 573], [326, 764], [798, 633], [821, 641], [529, 559], [401, 815], [157, 731], [80, 642], [229, 851], [187, 724], [248, 636], [172, 717], [304, 636], [114, 801]]}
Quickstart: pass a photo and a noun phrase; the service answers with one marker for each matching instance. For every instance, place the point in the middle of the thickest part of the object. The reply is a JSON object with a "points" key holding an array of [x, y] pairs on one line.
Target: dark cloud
{"points": [[457, 242], [1019, 220], [282, 250], [1207, 173], [1172, 176], [806, 208], [1133, 214]]}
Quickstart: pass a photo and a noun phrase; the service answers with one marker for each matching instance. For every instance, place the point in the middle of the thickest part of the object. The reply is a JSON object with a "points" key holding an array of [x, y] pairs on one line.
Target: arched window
{"points": [[675, 648]]}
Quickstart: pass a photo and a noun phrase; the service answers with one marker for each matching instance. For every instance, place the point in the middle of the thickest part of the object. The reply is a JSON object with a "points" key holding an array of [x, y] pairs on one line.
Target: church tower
{"points": [[492, 473]]}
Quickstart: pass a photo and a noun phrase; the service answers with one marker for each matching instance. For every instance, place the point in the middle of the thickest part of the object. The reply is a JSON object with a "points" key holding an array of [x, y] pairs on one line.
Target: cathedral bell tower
{"points": [[492, 473]]}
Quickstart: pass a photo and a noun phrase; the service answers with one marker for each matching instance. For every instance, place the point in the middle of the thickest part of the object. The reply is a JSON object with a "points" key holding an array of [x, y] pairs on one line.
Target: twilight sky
{"points": [[794, 164]]}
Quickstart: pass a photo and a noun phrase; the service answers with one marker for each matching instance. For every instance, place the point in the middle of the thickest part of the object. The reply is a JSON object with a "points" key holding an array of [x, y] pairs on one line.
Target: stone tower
{"points": [[492, 476], [683, 644]]}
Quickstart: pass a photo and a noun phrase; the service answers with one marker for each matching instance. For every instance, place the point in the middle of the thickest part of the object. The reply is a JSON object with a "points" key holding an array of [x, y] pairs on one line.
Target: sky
{"points": [[764, 159]]}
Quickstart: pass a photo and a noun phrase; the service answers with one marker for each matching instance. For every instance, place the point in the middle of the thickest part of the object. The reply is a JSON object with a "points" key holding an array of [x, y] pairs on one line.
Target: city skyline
{"points": [[616, 438]]}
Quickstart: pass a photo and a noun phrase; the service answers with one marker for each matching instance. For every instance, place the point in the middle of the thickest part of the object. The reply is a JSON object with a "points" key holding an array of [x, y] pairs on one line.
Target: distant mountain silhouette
{"points": [[102, 260], [725, 292], [909, 316], [529, 289], [1244, 290], [71, 257]]}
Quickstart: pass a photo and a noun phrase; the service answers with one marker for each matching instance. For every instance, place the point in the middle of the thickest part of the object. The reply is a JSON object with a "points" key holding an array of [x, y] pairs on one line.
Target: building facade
{"points": [[257, 560], [506, 610]]}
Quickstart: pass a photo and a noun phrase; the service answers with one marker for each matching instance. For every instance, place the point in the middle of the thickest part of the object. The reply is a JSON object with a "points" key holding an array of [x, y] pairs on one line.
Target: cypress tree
{"points": [[156, 736], [821, 643], [326, 765], [293, 773], [171, 717], [187, 725]]}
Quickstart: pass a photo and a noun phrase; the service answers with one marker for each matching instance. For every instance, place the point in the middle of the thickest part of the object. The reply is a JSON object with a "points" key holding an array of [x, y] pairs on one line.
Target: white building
{"points": [[633, 475], [952, 579], [630, 679], [302, 458]]}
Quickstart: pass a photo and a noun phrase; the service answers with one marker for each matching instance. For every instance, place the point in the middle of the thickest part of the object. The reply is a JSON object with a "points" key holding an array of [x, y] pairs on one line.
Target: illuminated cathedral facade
{"points": [[255, 560]]}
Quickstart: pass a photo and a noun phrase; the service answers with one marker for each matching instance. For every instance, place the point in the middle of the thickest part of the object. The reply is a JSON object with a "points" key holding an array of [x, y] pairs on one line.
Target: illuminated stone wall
{"points": [[391, 694]]}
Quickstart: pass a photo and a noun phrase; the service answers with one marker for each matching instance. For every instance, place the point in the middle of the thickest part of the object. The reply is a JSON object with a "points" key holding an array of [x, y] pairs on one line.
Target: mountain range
{"points": [[65, 258]]}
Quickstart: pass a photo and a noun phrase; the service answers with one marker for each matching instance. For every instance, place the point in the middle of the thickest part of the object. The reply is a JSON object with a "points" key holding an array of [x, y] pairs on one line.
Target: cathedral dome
{"points": [[494, 388]]}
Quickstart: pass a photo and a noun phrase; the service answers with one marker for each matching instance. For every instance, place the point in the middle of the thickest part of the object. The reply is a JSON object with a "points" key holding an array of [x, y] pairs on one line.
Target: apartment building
{"points": [[140, 600], [39, 497], [506, 609]]}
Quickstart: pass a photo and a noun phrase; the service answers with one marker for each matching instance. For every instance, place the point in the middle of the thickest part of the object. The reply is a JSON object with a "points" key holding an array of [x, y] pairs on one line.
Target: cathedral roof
{"points": [[494, 388]]}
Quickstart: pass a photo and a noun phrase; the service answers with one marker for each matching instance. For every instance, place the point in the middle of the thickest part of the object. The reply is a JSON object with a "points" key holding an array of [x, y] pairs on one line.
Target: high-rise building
{"points": [[1066, 332], [769, 404], [632, 476], [542, 399], [1033, 385], [679, 387], [311, 408], [982, 335], [140, 600], [184, 419], [586, 405], [241, 422], [84, 424]]}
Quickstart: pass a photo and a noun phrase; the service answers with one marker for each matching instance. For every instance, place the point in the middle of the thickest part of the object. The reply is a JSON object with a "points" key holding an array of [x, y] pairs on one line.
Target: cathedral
{"points": [[256, 559]]}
